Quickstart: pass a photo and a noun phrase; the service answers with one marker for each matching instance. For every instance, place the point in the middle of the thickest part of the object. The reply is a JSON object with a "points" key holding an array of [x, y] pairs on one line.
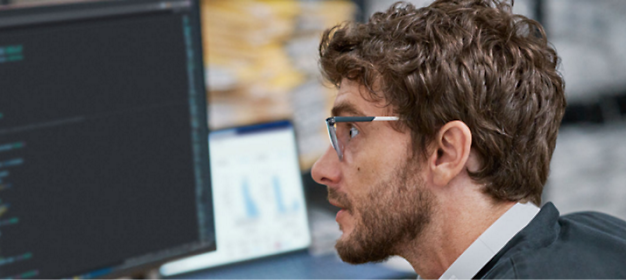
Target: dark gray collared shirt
{"points": [[587, 245]]}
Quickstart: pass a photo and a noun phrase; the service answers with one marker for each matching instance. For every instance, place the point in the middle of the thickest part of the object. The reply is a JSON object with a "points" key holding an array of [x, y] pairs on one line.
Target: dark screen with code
{"points": [[103, 158]]}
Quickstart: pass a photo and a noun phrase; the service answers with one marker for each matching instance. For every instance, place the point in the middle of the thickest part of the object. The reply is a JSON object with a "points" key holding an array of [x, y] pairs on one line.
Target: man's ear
{"points": [[452, 150]]}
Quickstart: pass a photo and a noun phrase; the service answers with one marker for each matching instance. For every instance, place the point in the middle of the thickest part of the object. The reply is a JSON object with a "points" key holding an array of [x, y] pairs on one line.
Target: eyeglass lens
{"points": [[334, 139]]}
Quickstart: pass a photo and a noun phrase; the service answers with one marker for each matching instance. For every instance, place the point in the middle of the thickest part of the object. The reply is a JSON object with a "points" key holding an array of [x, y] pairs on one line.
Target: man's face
{"points": [[377, 184]]}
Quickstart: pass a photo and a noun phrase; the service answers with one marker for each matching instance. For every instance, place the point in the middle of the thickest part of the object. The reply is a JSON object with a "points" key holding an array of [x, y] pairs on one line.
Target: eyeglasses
{"points": [[339, 135]]}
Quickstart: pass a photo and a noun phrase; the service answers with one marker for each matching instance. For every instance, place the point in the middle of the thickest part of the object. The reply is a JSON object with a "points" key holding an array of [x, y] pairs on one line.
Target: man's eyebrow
{"points": [[346, 109]]}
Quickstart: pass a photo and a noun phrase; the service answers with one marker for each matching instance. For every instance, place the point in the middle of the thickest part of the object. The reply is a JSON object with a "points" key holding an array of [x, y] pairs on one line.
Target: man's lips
{"points": [[343, 210], [336, 204], [341, 201]]}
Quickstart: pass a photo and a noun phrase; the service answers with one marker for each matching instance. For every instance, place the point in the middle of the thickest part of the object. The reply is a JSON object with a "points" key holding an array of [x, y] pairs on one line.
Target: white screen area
{"points": [[258, 198]]}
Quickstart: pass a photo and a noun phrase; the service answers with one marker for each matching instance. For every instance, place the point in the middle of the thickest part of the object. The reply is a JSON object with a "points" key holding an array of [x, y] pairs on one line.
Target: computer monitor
{"points": [[260, 205], [104, 166]]}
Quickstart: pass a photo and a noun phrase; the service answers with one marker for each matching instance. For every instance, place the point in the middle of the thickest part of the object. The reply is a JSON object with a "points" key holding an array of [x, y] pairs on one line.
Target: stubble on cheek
{"points": [[393, 212]]}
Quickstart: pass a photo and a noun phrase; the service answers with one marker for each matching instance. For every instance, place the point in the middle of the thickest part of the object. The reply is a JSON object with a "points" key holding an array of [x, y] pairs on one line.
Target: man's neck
{"points": [[454, 226]]}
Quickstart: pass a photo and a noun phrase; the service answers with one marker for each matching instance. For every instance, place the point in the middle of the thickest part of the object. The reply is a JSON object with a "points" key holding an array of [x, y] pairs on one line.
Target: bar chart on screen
{"points": [[258, 197]]}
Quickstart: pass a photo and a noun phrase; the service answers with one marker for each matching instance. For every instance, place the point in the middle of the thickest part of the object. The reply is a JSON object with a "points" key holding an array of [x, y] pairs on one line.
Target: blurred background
{"points": [[261, 62]]}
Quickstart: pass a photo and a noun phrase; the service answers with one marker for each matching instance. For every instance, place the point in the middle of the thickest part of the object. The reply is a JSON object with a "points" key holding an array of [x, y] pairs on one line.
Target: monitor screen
{"points": [[104, 166], [259, 197]]}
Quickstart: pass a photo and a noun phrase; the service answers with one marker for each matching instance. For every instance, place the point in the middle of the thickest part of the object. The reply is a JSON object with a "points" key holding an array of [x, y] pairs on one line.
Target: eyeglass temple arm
{"points": [[363, 119]]}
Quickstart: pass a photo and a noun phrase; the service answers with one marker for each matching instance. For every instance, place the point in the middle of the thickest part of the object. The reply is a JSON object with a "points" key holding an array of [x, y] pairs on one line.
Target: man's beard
{"points": [[393, 214]]}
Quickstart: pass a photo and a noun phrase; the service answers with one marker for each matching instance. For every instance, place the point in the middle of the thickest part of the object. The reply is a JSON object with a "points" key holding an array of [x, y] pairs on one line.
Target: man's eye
{"points": [[353, 131]]}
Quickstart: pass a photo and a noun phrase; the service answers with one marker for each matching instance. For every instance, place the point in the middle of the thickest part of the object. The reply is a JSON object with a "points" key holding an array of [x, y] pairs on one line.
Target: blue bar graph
{"points": [[251, 209], [278, 195]]}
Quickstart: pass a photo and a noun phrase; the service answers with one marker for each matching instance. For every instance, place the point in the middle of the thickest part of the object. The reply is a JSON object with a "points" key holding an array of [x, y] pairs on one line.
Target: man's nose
{"points": [[326, 170]]}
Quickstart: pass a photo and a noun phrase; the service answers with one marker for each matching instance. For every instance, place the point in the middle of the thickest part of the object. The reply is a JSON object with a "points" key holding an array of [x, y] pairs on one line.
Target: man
{"points": [[444, 125]]}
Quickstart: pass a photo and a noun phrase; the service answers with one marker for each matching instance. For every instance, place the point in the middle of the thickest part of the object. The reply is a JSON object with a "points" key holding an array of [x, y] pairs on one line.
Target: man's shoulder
{"points": [[595, 222], [580, 245], [587, 245]]}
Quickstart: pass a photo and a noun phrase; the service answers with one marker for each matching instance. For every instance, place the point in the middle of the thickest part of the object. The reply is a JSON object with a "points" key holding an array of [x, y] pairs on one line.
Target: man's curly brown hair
{"points": [[467, 60]]}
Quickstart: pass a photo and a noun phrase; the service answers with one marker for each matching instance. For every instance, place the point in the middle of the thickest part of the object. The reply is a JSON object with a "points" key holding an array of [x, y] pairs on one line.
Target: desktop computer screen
{"points": [[104, 166], [260, 206]]}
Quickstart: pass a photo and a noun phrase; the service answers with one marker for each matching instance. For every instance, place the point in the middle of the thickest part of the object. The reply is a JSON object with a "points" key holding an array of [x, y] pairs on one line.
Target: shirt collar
{"points": [[479, 253]]}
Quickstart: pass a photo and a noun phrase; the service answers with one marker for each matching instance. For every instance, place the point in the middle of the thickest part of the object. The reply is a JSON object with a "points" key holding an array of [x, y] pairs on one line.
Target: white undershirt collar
{"points": [[488, 244]]}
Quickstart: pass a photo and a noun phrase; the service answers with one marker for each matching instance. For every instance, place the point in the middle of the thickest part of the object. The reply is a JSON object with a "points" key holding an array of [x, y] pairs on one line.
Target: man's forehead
{"points": [[346, 108], [350, 101], [348, 87]]}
